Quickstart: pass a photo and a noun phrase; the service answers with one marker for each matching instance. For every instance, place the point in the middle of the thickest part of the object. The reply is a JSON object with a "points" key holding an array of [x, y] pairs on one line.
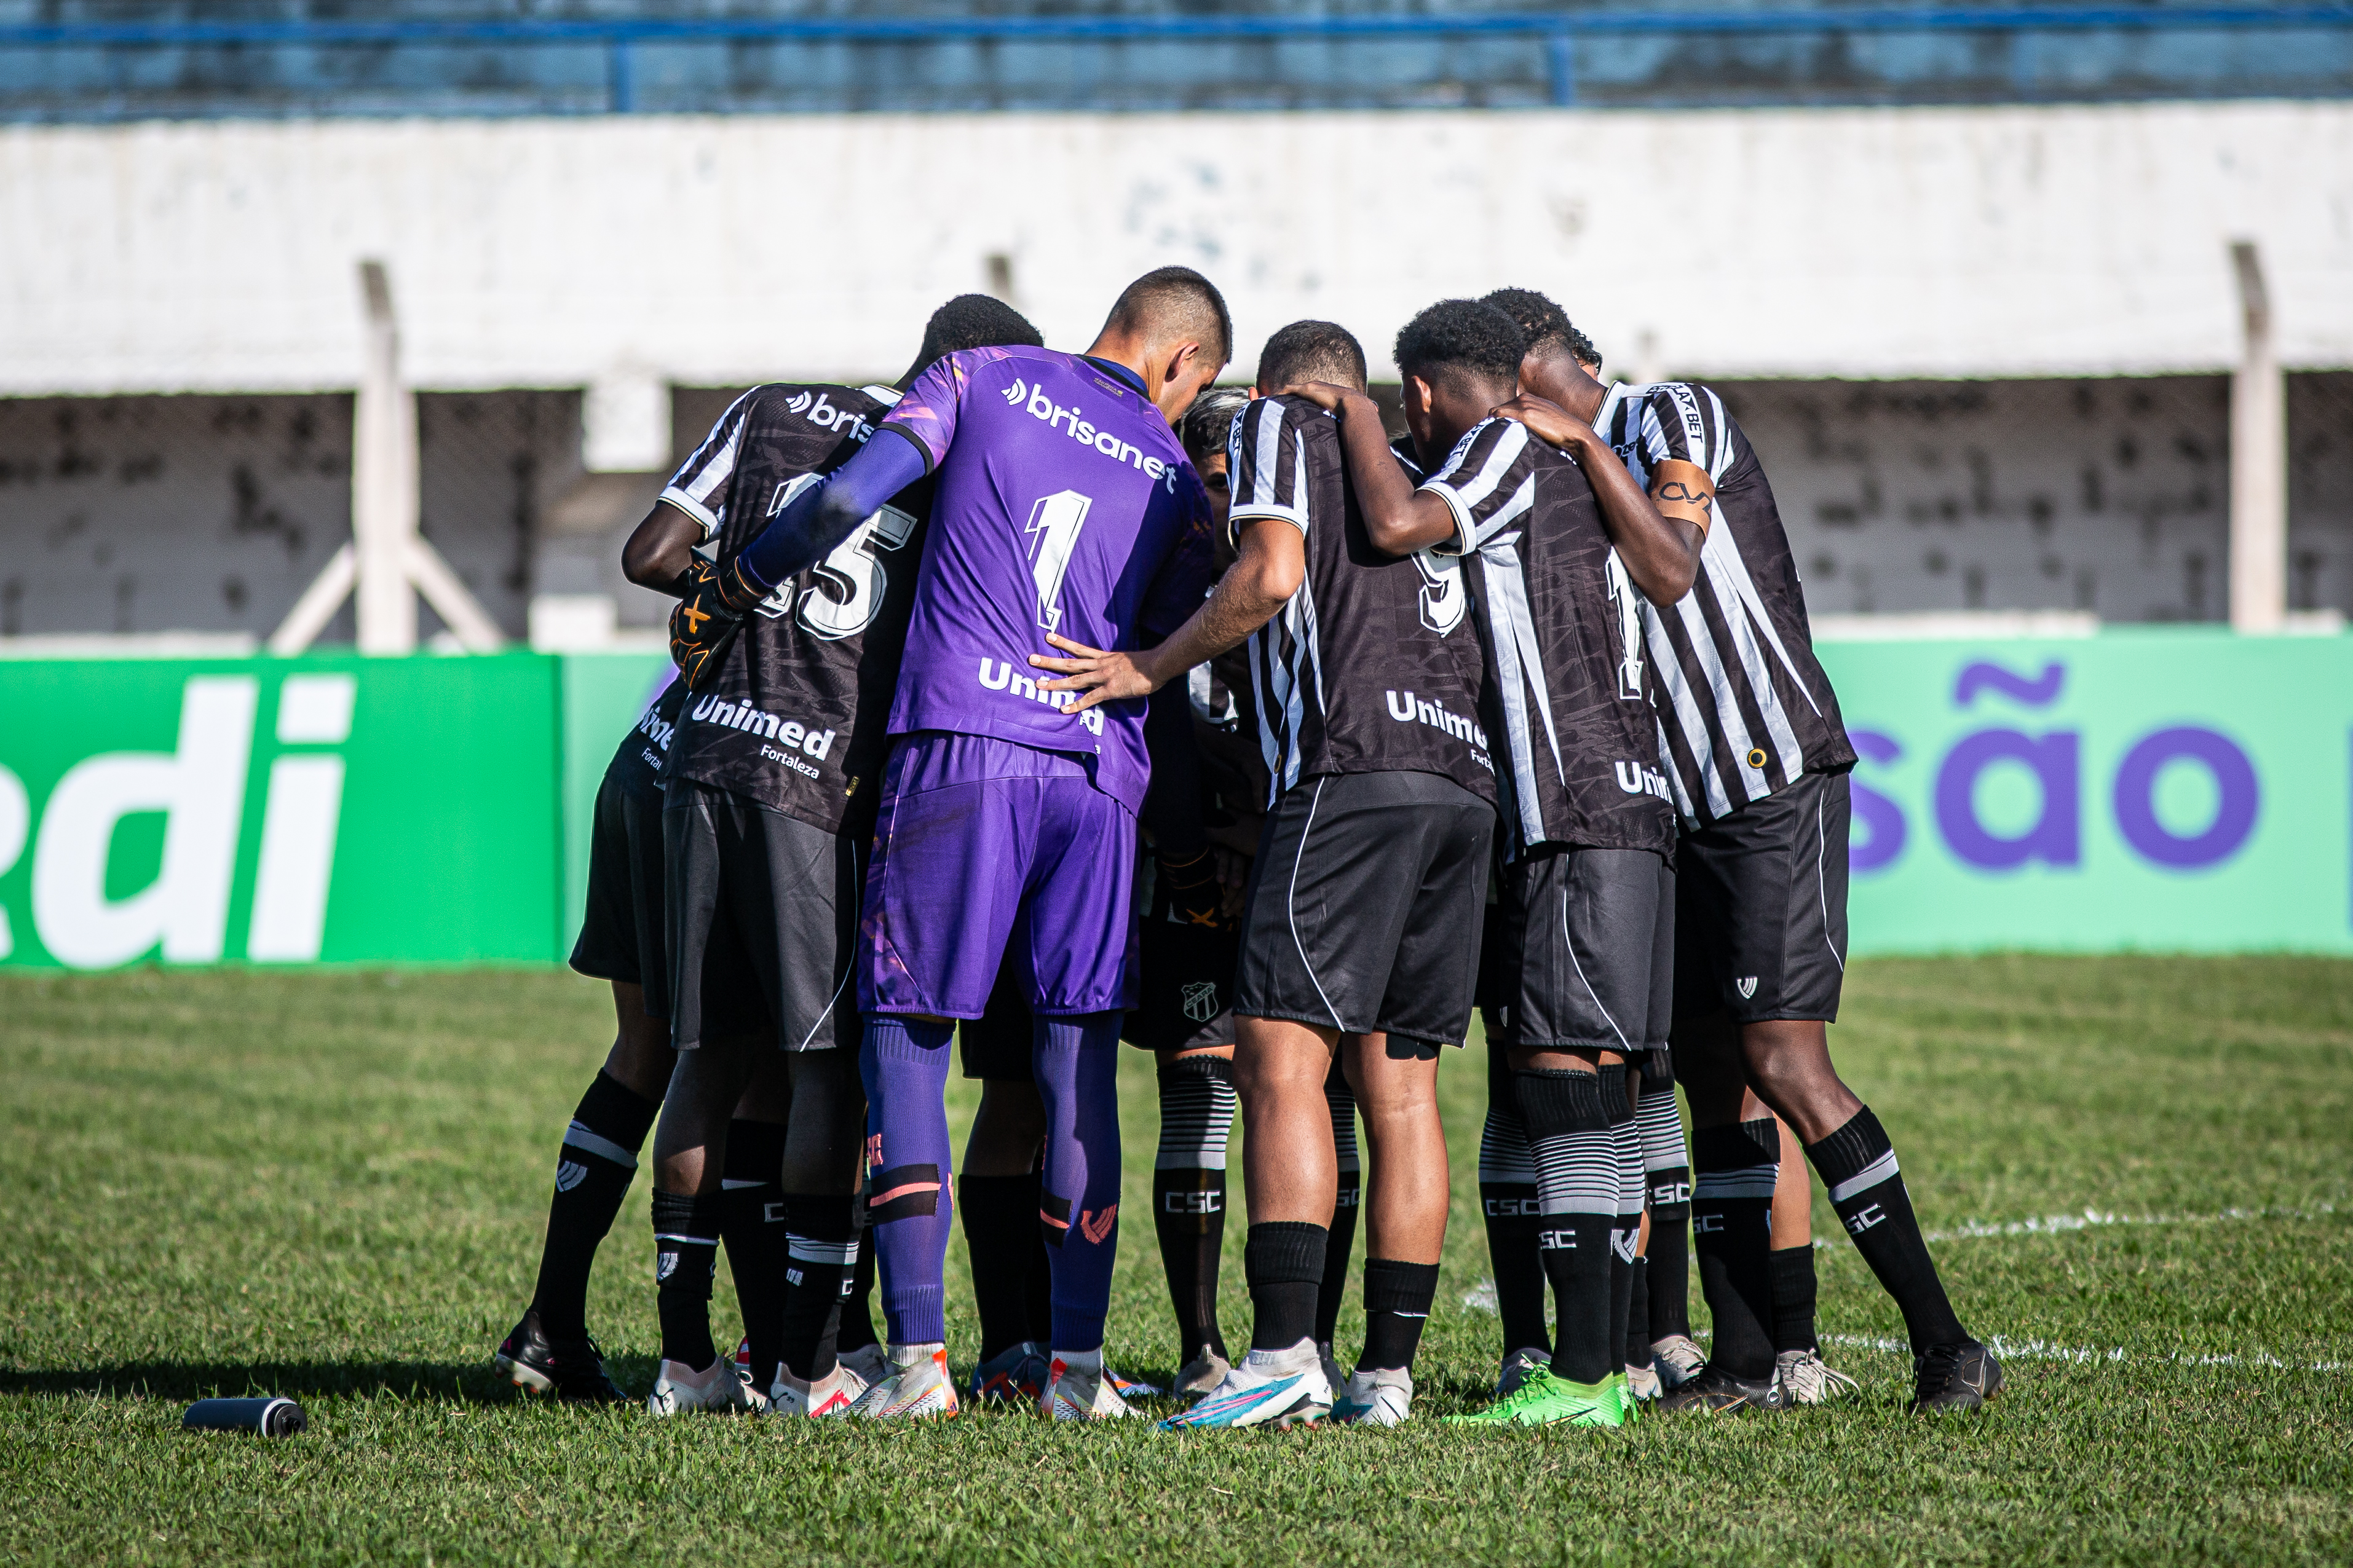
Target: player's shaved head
{"points": [[1465, 345], [1206, 424], [1546, 325], [1311, 351], [1172, 305], [971, 321]]}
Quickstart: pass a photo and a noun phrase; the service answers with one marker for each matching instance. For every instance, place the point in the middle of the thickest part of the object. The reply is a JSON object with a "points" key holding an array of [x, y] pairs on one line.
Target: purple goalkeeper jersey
{"points": [[1064, 503]]}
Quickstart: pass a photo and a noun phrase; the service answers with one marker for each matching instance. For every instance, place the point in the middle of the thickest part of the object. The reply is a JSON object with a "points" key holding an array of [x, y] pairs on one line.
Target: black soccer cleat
{"points": [[1954, 1377], [1716, 1392], [573, 1371]]}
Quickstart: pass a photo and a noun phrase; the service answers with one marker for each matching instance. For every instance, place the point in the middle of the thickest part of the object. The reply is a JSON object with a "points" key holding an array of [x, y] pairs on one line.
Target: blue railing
{"points": [[1558, 31]]}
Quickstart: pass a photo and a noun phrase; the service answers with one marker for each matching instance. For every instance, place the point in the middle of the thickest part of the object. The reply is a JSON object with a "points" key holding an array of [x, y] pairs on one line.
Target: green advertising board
{"points": [[2177, 790]]}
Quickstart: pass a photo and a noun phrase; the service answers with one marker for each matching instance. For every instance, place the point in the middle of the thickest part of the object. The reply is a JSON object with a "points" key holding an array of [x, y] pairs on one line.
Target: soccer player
{"points": [[1584, 920], [1064, 505], [1360, 935], [550, 1350], [772, 781], [1756, 761]]}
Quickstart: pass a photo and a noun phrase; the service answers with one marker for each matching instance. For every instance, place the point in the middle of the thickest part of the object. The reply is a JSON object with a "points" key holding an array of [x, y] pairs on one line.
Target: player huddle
{"points": [[1050, 699]]}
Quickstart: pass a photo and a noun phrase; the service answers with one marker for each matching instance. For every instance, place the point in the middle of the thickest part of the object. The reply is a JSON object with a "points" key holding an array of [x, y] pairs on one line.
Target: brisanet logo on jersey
{"points": [[199, 789], [1033, 401]]}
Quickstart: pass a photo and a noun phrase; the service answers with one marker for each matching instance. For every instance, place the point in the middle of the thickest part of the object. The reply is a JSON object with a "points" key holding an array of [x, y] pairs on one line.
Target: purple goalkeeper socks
{"points": [[1076, 1060], [904, 1062]]}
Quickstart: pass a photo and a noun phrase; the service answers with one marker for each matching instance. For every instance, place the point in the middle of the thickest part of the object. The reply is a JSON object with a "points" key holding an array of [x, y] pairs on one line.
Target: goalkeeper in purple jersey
{"points": [[1007, 826]]}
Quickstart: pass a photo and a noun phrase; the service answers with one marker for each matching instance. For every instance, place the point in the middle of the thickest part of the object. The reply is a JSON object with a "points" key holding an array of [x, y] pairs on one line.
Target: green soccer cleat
{"points": [[1545, 1400]]}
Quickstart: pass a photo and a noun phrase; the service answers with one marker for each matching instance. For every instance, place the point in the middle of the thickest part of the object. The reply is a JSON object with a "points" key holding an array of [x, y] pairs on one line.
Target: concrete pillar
{"points": [[2258, 458], [383, 481]]}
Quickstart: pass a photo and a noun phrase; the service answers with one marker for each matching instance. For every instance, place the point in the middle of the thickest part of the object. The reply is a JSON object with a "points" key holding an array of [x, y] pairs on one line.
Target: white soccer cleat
{"points": [[870, 1363], [1266, 1388], [1518, 1367], [1078, 1389], [917, 1384], [1806, 1380], [834, 1393], [1383, 1397], [1642, 1384], [1678, 1358], [719, 1386], [1203, 1372]]}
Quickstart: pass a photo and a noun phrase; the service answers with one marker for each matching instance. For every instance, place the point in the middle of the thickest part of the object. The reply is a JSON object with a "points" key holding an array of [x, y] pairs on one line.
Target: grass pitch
{"points": [[332, 1186]]}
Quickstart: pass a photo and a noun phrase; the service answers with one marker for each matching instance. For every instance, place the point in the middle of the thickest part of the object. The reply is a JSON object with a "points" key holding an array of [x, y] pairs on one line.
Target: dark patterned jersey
{"points": [[1225, 733], [796, 716], [1744, 706], [636, 764], [1373, 665], [1564, 632]]}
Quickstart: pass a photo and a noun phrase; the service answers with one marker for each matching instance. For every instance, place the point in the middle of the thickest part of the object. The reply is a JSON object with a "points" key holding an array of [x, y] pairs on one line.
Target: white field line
{"points": [[2082, 1355], [2092, 1219]]}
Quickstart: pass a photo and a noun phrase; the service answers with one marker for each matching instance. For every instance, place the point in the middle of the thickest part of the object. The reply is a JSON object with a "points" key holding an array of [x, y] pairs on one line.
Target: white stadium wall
{"points": [[1974, 242]]}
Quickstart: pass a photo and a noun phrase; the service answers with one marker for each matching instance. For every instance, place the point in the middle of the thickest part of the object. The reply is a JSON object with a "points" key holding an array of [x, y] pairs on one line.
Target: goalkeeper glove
{"points": [[706, 619], [1195, 897]]}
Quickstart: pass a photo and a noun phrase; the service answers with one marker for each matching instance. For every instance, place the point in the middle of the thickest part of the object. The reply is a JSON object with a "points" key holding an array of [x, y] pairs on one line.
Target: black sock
{"points": [[1858, 1164], [1397, 1305], [686, 1251], [752, 1223], [1334, 1286], [1283, 1262], [1667, 1169], [1188, 1193], [1793, 1298], [821, 1254], [1638, 1316], [592, 1175], [1626, 1148], [857, 1297], [1507, 1202], [1576, 1189], [1000, 1230], [1732, 1219]]}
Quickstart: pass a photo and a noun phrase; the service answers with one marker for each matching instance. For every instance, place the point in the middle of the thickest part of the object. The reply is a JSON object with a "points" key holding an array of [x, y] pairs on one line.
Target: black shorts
{"points": [[997, 1044], [622, 931], [762, 922], [1185, 999], [1760, 907], [1365, 905], [1579, 952]]}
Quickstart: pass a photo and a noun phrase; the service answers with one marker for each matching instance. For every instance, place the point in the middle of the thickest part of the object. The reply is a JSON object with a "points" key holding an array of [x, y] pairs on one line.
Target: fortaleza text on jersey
{"points": [[752, 722]]}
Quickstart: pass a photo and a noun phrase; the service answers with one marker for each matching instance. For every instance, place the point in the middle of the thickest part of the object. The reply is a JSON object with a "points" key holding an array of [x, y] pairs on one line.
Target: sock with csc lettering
{"points": [[1576, 1193], [1188, 1193], [1732, 1220], [751, 1223], [820, 1256], [1626, 1149], [1666, 1166], [593, 1170], [1507, 1202], [1857, 1163], [1332, 1289]]}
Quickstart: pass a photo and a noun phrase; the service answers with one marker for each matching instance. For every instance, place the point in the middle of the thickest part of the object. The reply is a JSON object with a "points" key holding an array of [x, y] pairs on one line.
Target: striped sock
{"points": [[1577, 1195], [686, 1252], [1732, 1219], [1188, 1193], [1858, 1164], [593, 1170]]}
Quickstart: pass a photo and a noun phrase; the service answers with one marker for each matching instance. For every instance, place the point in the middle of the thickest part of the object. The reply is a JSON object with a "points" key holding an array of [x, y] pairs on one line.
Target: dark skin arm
{"points": [[660, 549], [1264, 578], [1398, 518], [1658, 539]]}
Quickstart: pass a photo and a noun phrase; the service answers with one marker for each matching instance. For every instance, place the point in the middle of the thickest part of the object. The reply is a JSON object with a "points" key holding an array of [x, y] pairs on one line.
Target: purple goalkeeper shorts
{"points": [[980, 843]]}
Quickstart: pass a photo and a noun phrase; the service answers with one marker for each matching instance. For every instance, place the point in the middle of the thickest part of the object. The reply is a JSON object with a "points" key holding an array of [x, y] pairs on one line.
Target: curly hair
{"points": [[971, 321], [1547, 326], [1462, 337]]}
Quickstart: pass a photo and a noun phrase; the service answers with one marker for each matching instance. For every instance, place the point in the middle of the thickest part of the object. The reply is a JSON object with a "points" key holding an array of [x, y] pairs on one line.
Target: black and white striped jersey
{"points": [[797, 714], [1744, 706], [1563, 627], [1373, 665]]}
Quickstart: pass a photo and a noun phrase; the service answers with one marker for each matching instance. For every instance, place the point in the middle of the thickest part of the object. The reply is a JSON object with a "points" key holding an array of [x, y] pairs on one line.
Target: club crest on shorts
{"points": [[1746, 985], [1201, 1001]]}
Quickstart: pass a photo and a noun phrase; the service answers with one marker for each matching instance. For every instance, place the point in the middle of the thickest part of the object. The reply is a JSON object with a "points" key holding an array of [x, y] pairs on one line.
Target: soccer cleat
{"points": [[718, 1386], [871, 1363], [1642, 1384], [1717, 1392], [1129, 1388], [1519, 1366], [1678, 1358], [917, 1384], [1332, 1375], [1079, 1388], [1013, 1376], [1382, 1397], [1804, 1379], [573, 1371], [1203, 1372], [1545, 1400], [1954, 1377], [1268, 1388], [834, 1393]]}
